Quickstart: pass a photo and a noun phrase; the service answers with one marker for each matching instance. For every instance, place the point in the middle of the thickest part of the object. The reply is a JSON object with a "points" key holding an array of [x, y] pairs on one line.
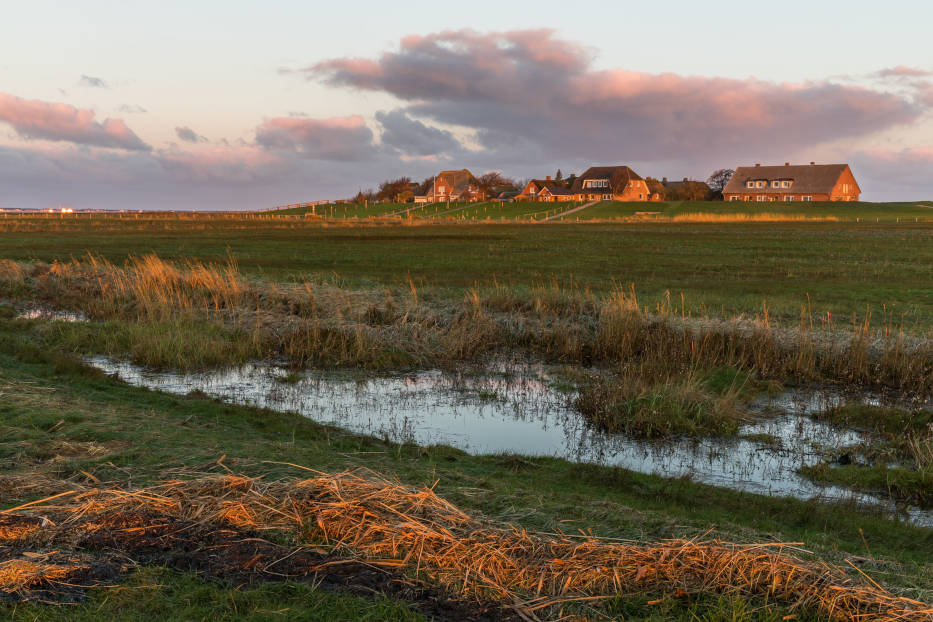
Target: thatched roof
{"points": [[618, 177], [807, 178], [457, 181]]}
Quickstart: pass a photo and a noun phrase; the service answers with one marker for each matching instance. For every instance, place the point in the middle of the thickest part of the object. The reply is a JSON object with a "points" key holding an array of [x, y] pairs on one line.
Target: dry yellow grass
{"points": [[759, 217], [22, 574], [394, 525]]}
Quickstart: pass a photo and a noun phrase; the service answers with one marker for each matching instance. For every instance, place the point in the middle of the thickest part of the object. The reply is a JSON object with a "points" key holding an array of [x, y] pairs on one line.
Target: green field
{"points": [[719, 268]]}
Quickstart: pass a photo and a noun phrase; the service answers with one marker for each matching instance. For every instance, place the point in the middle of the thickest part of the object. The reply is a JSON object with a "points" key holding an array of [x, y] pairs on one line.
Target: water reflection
{"points": [[519, 412]]}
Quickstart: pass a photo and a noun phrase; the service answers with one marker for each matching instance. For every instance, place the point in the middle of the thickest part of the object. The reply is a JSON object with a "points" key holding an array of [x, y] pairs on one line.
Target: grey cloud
{"points": [[346, 139], [412, 137], [92, 82], [188, 135]]}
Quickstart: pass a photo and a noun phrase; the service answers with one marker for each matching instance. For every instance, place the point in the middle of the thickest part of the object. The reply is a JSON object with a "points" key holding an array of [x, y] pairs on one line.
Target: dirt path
{"points": [[573, 210]]}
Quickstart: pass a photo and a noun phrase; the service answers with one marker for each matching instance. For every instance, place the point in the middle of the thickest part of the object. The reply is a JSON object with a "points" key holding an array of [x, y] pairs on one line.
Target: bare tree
{"points": [[718, 180], [489, 182], [392, 189]]}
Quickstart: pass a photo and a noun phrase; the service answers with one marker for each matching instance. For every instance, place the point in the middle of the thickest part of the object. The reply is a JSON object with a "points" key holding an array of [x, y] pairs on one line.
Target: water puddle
{"points": [[519, 412], [41, 313]]}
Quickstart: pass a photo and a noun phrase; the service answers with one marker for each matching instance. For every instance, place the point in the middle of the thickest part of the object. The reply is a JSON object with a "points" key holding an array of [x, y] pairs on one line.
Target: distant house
{"points": [[610, 183], [686, 190], [555, 193], [546, 189], [452, 186], [813, 182]]}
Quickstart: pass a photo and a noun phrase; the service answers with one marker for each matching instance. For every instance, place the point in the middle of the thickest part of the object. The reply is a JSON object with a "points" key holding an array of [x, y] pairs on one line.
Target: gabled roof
{"points": [[807, 178], [556, 190], [618, 177], [548, 183], [457, 180], [677, 184]]}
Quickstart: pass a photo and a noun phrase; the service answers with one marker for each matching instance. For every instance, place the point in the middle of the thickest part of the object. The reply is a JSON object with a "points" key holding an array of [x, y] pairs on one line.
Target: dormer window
{"points": [[761, 184], [775, 184], [749, 184], [786, 183], [596, 183]]}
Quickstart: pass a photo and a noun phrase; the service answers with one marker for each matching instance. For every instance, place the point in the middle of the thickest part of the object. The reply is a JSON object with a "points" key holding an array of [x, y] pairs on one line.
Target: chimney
{"points": [[685, 179], [812, 163], [548, 178], [664, 180], [787, 164], [757, 164]]}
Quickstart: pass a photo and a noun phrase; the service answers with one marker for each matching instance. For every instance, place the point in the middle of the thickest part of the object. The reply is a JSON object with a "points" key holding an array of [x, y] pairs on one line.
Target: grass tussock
{"points": [[897, 458], [659, 409], [400, 527]]}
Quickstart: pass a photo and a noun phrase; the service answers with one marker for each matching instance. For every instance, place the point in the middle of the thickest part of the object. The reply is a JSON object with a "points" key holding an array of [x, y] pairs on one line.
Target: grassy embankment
{"points": [[664, 211]]}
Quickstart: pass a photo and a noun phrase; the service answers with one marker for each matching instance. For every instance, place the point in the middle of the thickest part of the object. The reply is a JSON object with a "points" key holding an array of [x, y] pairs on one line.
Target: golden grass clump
{"points": [[11, 273], [21, 574], [394, 525]]}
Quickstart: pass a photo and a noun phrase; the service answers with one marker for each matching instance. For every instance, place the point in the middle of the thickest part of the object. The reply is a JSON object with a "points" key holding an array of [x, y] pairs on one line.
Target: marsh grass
{"points": [[642, 408], [898, 459], [190, 314]]}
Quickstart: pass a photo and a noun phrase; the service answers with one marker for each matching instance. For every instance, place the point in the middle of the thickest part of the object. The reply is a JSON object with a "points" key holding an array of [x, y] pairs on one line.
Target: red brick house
{"points": [[610, 183], [545, 190], [452, 186], [813, 182]]}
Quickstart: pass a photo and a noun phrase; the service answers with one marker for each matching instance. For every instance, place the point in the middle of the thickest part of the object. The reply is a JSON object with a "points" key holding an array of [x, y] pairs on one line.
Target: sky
{"points": [[249, 105]]}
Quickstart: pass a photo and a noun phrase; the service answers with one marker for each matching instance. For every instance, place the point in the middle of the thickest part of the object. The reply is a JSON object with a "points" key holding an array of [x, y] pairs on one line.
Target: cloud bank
{"points": [[532, 89]]}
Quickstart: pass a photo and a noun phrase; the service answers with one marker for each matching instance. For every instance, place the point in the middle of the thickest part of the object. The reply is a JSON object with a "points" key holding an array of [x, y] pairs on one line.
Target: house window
{"points": [[607, 197], [442, 189], [749, 184], [786, 183], [807, 198], [761, 198], [789, 198], [596, 183], [748, 198], [734, 198]]}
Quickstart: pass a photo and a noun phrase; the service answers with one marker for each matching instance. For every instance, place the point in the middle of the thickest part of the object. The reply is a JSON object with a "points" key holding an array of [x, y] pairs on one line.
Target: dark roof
{"points": [[542, 183], [556, 189], [677, 184], [807, 178], [618, 177]]}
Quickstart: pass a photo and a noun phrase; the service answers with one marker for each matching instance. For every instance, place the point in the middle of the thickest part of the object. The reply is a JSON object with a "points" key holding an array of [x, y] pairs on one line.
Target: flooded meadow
{"points": [[528, 410]]}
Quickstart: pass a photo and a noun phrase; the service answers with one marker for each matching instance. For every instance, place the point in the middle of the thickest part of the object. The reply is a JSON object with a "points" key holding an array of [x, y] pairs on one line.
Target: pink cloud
{"points": [[336, 138], [530, 92], [61, 122], [902, 71]]}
